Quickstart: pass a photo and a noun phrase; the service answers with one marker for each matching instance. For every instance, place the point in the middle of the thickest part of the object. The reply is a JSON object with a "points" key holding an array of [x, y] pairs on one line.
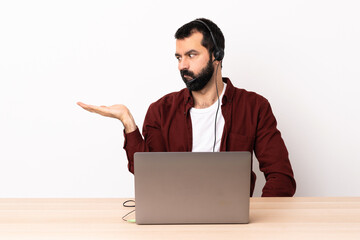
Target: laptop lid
{"points": [[192, 187]]}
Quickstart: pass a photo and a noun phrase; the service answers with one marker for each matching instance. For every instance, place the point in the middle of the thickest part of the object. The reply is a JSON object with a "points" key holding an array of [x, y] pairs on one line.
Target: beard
{"points": [[198, 82]]}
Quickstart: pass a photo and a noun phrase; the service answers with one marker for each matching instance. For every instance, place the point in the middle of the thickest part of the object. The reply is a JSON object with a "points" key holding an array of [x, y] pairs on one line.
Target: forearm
{"points": [[134, 142], [151, 140], [275, 164], [273, 157]]}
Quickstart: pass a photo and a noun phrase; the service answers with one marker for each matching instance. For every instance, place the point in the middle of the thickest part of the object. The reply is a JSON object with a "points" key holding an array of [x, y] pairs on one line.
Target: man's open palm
{"points": [[118, 111], [114, 111]]}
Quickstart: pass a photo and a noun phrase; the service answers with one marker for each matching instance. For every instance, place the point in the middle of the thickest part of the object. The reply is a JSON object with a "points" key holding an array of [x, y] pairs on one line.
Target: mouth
{"points": [[187, 77]]}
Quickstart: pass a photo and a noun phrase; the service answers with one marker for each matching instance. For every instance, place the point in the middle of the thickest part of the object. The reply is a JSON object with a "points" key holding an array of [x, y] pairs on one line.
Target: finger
{"points": [[94, 108], [81, 104], [104, 111], [85, 106], [90, 108]]}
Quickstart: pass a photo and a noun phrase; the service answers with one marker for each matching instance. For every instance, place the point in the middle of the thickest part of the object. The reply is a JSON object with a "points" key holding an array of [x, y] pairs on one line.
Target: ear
{"points": [[213, 59]]}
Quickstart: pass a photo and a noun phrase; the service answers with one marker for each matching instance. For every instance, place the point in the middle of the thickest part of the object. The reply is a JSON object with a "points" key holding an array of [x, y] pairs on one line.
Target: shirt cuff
{"points": [[133, 138]]}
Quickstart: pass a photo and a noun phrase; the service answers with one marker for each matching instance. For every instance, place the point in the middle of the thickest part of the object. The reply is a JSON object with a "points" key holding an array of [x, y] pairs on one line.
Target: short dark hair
{"points": [[194, 26]]}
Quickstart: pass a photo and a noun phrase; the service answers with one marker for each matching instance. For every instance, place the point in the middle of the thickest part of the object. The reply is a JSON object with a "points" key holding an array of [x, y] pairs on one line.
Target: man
{"points": [[193, 120]]}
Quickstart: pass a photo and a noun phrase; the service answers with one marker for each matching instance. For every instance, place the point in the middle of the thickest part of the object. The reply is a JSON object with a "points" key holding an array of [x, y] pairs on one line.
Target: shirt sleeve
{"points": [[152, 140], [273, 157]]}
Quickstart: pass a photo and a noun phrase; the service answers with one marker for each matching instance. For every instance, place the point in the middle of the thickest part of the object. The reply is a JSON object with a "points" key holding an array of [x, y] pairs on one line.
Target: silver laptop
{"points": [[190, 187]]}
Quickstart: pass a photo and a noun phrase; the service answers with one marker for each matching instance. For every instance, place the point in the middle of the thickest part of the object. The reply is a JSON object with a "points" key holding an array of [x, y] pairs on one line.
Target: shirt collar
{"points": [[228, 95]]}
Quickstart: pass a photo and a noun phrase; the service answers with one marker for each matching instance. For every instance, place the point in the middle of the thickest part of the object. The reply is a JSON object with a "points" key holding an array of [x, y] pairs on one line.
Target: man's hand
{"points": [[117, 111]]}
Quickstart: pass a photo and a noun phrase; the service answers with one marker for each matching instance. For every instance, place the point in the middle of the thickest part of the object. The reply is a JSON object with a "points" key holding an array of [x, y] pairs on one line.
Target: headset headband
{"points": [[218, 53]]}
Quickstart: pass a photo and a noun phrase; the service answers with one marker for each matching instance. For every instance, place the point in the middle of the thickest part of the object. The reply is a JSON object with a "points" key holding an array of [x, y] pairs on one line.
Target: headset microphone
{"points": [[190, 81]]}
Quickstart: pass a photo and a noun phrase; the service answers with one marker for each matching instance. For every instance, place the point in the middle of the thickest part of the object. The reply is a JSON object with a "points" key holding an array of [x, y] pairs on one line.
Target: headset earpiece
{"points": [[218, 54]]}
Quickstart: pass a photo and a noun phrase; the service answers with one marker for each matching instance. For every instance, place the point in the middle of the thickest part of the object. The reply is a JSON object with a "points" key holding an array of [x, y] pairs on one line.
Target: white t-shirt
{"points": [[203, 127]]}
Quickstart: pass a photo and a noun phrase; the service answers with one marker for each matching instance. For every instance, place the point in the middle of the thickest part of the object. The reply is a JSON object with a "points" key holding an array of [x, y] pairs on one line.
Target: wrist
{"points": [[129, 123]]}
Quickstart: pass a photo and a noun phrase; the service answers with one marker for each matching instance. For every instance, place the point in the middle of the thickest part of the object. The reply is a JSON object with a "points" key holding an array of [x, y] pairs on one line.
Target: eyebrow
{"points": [[187, 53]]}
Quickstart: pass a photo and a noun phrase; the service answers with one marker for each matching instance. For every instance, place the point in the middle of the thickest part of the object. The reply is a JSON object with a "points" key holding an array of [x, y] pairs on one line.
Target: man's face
{"points": [[194, 62]]}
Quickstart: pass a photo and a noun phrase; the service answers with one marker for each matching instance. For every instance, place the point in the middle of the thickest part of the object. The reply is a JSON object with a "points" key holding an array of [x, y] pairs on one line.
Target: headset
{"points": [[218, 52], [218, 55]]}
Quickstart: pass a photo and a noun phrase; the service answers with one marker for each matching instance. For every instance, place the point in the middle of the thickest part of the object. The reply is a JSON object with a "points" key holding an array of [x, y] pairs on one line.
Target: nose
{"points": [[183, 64]]}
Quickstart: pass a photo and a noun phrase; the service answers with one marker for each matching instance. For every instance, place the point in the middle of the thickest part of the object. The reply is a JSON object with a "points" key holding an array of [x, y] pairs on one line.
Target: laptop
{"points": [[192, 187]]}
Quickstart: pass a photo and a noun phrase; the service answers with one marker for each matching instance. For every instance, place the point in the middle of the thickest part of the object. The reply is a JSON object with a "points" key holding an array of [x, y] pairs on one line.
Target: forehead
{"points": [[193, 42]]}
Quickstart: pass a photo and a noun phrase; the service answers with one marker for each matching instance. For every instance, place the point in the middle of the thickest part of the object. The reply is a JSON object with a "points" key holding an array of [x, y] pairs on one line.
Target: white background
{"points": [[303, 56]]}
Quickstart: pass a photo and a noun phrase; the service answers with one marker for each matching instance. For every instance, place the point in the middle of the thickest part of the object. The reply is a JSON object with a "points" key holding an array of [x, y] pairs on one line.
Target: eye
{"points": [[191, 55]]}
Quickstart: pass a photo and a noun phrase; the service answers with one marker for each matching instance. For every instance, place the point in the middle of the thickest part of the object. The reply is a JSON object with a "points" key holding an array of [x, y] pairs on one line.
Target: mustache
{"points": [[187, 73]]}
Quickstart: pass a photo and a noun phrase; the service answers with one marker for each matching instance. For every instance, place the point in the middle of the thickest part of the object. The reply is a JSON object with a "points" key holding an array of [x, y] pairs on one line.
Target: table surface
{"points": [[270, 218]]}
